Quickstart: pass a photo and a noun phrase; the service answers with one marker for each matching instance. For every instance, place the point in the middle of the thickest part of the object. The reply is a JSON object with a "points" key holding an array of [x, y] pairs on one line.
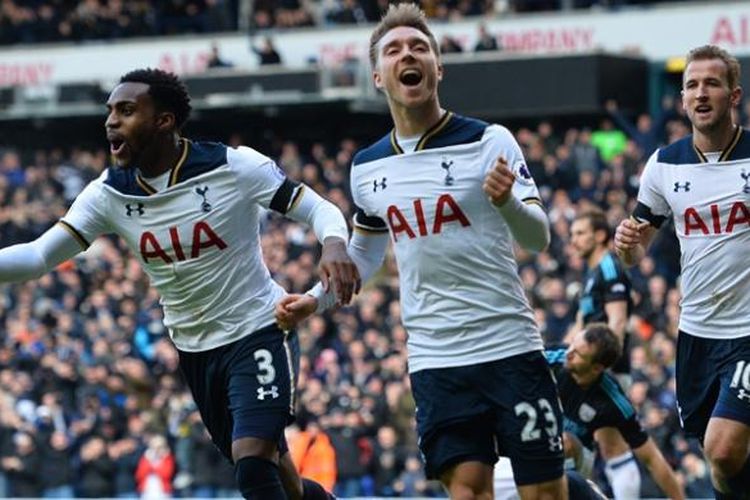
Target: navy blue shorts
{"points": [[507, 407], [713, 380], [246, 388]]}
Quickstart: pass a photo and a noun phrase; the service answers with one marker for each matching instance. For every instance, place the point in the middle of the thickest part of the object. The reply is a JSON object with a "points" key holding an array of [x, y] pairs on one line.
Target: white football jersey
{"points": [[461, 297], [198, 239], [709, 205]]}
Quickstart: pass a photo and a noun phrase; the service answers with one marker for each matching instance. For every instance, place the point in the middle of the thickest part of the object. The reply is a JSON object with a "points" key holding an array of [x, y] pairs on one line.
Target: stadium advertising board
{"points": [[657, 34]]}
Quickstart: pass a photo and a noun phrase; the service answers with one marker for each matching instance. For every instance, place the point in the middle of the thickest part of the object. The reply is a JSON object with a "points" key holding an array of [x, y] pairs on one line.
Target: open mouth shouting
{"points": [[411, 77], [117, 144]]}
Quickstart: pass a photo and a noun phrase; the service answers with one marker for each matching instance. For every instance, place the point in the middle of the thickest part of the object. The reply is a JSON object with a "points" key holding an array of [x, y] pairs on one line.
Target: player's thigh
{"points": [[529, 426], [204, 374], [554, 489], [454, 421], [260, 377], [698, 377], [734, 397], [469, 480]]}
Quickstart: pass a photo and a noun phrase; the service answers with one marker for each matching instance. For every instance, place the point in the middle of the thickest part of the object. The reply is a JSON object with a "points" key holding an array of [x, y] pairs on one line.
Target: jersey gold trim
{"points": [[297, 198], [75, 234], [368, 231], [727, 151], [145, 185], [431, 132], [440, 125], [175, 175]]}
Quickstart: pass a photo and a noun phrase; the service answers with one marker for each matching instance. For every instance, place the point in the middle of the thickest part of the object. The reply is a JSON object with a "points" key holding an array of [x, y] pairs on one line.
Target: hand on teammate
{"points": [[499, 182], [337, 268], [294, 308]]}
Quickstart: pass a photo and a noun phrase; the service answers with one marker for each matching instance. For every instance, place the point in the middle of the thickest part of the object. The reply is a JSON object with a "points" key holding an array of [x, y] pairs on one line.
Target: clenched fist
{"points": [[499, 182]]}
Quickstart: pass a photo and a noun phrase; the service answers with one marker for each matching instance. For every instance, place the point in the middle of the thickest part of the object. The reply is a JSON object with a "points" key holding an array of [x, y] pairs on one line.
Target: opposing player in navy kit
{"points": [[453, 193], [703, 183], [605, 297], [593, 401], [189, 211]]}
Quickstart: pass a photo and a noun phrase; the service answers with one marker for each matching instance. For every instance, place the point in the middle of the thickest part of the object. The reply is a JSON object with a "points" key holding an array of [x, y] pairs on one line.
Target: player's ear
{"points": [[736, 96], [377, 79], [440, 72], [165, 121]]}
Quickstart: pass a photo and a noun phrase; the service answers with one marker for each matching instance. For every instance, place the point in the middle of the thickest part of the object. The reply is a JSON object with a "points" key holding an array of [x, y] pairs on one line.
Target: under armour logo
{"points": [[448, 177], [678, 186], [205, 206], [556, 443], [376, 185], [746, 177], [135, 207], [743, 395], [273, 392]]}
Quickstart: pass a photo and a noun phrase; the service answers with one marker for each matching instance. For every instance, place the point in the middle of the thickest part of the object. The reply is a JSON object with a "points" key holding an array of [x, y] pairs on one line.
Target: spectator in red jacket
{"points": [[155, 469]]}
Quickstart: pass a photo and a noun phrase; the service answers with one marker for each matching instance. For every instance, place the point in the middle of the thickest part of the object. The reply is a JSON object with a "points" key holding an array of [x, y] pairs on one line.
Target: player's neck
{"points": [[410, 122], [715, 140], [585, 381], [164, 157], [596, 256]]}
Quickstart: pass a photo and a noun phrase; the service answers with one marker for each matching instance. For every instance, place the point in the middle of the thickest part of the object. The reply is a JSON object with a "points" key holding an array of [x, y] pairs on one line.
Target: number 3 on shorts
{"points": [[530, 431], [266, 371]]}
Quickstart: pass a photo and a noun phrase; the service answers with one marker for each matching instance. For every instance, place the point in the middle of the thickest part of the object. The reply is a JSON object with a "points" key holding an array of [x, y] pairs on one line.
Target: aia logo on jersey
{"points": [[447, 211], [203, 238], [716, 222]]}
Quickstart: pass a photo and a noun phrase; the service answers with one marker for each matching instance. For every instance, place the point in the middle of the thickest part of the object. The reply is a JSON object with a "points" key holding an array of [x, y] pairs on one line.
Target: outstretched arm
{"points": [[31, 260]]}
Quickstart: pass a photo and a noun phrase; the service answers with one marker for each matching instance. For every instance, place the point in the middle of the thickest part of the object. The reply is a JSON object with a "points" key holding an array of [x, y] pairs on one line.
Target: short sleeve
{"points": [[86, 219], [261, 180], [652, 205], [502, 143]]}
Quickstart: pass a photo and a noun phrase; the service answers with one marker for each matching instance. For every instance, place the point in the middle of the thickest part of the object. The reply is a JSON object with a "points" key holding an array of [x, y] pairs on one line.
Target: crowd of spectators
{"points": [[37, 21], [91, 399]]}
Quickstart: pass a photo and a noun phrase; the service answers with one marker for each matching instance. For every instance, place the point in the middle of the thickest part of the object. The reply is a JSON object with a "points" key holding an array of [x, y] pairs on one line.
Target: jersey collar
{"points": [[174, 176], [431, 132], [727, 151]]}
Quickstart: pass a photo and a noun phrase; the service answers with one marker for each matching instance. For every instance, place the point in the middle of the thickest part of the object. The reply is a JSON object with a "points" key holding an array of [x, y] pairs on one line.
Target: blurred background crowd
{"points": [[91, 399], [31, 21]]}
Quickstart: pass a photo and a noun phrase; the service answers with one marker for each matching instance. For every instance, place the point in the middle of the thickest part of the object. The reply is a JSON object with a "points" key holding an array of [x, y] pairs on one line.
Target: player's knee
{"points": [[726, 458], [463, 492], [258, 478]]}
